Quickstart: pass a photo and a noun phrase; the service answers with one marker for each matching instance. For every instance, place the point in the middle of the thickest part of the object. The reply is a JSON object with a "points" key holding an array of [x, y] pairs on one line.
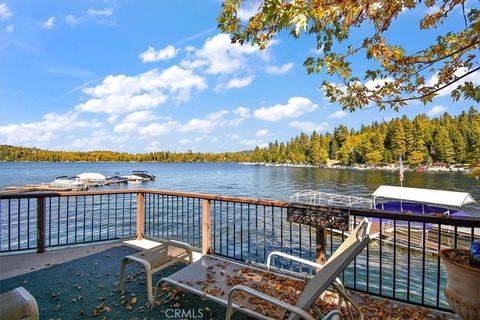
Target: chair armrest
{"points": [[289, 256], [266, 298], [179, 244]]}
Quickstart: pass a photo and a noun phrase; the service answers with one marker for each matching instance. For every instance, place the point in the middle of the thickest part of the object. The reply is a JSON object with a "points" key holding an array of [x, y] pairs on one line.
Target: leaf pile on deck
{"points": [[288, 290], [383, 309]]}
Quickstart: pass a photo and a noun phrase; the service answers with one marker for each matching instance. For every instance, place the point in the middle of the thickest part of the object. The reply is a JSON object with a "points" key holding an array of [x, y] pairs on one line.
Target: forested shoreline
{"points": [[446, 139]]}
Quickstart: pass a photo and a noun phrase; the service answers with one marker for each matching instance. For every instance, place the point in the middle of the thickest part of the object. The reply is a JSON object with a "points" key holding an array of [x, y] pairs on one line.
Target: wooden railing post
{"points": [[206, 227], [140, 215], [320, 245], [40, 224]]}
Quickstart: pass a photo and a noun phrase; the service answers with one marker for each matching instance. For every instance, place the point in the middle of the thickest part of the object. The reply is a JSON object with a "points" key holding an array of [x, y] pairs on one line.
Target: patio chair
{"points": [[18, 304], [242, 287], [157, 259]]}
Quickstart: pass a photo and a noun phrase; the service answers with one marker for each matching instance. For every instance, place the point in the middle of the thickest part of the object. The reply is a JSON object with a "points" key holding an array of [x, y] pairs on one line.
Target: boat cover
{"points": [[91, 176], [441, 197]]}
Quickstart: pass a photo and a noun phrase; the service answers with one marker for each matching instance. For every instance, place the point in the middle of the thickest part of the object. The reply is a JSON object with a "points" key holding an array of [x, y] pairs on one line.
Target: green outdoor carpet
{"points": [[75, 289]]}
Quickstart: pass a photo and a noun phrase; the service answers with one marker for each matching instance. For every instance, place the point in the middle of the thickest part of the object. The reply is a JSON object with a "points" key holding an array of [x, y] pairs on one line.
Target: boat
{"points": [[71, 183], [116, 179], [92, 179], [133, 178], [405, 200], [144, 174]]}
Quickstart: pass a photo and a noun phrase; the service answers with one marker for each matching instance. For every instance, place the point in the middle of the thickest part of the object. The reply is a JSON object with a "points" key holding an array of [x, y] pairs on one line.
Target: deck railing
{"points": [[401, 263]]}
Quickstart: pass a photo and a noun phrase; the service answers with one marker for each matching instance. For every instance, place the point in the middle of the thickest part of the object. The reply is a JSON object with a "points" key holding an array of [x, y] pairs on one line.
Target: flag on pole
{"points": [[400, 171]]}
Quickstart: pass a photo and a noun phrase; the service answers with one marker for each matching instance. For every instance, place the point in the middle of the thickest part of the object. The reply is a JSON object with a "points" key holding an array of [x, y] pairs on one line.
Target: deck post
{"points": [[206, 227], [40, 224], [320, 245], [140, 215]]}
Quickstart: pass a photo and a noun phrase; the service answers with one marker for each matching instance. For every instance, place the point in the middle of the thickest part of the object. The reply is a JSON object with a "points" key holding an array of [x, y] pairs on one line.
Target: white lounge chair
{"points": [[156, 259], [216, 279], [18, 304]]}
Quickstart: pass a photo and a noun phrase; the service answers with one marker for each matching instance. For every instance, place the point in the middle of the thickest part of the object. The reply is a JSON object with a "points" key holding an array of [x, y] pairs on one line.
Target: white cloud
{"points": [[204, 125], [474, 77], [151, 55], [214, 139], [432, 9], [235, 83], [100, 12], [211, 121], [72, 20], [216, 116], [338, 114], [9, 28], [261, 133], [295, 107], [157, 129], [184, 141], [279, 69], [235, 122], [45, 130], [140, 116], [308, 126], [201, 125], [5, 12], [153, 146], [248, 9], [125, 127], [49, 24], [219, 56], [112, 119], [436, 111], [233, 136], [252, 143], [124, 94], [375, 84], [242, 112], [100, 140], [316, 51]]}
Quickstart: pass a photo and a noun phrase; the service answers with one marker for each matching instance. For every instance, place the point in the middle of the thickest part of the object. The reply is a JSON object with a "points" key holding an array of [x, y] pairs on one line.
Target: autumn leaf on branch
{"points": [[399, 76]]}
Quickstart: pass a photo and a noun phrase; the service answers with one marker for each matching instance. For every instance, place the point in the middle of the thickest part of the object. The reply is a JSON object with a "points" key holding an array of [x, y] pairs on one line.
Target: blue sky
{"points": [[141, 76]]}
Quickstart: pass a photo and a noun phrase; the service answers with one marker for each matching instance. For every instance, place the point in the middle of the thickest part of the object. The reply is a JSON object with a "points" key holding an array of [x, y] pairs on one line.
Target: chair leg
{"points": [[190, 257], [125, 261], [155, 296], [348, 301], [149, 286]]}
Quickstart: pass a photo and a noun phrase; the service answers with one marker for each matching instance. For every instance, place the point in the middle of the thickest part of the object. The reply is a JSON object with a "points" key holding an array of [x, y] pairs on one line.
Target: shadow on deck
{"points": [[81, 283]]}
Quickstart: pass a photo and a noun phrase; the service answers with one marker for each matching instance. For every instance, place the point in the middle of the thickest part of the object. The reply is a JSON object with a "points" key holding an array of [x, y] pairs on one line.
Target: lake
{"points": [[277, 183]]}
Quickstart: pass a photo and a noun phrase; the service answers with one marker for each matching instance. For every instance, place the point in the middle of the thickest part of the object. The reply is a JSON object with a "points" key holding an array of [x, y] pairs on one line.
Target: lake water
{"points": [[277, 183]]}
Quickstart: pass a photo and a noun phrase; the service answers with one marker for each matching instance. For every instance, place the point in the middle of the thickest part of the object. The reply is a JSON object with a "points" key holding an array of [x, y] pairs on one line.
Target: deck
{"points": [[82, 283]]}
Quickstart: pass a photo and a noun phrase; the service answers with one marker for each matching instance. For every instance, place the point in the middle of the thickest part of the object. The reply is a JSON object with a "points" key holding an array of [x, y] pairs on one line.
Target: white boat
{"points": [[92, 179], [68, 183], [134, 179]]}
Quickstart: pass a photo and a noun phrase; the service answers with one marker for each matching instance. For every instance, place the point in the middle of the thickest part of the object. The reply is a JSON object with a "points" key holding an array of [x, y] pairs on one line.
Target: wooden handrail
{"points": [[403, 216], [263, 202]]}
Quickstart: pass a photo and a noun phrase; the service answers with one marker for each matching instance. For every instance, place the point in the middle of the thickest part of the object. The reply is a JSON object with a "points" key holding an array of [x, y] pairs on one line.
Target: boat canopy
{"points": [[91, 176], [441, 197]]}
